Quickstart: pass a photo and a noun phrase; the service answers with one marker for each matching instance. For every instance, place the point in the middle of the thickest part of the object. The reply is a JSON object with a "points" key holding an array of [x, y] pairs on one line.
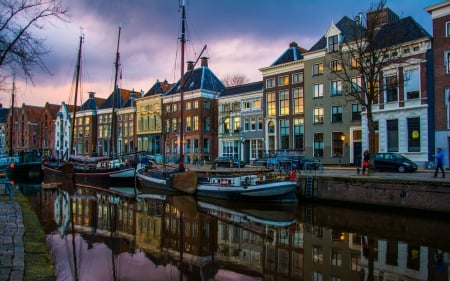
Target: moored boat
{"points": [[261, 187]]}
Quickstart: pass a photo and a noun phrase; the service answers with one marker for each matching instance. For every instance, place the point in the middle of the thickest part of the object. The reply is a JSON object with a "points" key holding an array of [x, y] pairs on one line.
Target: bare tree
{"points": [[363, 55], [20, 49], [235, 79]]}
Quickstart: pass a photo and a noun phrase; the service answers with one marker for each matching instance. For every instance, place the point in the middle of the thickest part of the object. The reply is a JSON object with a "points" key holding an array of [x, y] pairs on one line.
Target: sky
{"points": [[242, 36]]}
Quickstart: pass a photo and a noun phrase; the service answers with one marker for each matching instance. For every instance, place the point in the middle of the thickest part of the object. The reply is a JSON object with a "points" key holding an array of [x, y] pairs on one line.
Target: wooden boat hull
{"points": [[101, 178], [173, 181]]}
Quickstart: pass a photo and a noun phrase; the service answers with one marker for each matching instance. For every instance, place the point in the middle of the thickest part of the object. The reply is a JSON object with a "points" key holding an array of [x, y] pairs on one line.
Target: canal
{"points": [[111, 234]]}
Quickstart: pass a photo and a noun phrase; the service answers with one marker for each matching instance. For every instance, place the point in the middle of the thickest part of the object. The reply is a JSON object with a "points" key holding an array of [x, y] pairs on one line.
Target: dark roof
{"points": [[120, 99], [245, 88], [131, 101], [92, 103], [398, 32], [201, 78], [293, 53], [350, 30], [159, 88]]}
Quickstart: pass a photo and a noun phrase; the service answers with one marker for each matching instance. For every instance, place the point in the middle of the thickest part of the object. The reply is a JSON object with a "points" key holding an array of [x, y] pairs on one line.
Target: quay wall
{"points": [[421, 194]]}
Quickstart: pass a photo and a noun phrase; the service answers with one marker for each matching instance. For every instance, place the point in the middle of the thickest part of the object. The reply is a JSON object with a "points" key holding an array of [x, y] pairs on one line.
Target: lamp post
{"points": [[60, 115]]}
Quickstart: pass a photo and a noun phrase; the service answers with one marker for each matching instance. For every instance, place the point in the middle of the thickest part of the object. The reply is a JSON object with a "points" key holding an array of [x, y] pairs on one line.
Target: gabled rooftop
{"points": [[120, 99], [293, 53], [159, 88]]}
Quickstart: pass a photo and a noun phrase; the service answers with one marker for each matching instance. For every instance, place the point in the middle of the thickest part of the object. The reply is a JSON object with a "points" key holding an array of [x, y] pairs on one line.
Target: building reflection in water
{"points": [[117, 236]]}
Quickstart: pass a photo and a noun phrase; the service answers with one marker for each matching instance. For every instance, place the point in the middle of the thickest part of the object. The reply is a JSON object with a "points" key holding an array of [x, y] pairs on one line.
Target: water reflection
{"points": [[98, 234]]}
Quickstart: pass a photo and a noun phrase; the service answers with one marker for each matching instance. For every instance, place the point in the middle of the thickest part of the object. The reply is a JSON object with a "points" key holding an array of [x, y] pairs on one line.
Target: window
{"points": [[414, 134], [336, 257], [412, 84], [317, 69], [299, 132], [270, 83], [356, 84], [318, 145], [253, 123], [317, 254], [195, 123], [188, 124], [318, 90], [392, 135], [391, 88], [256, 146], [333, 44], [336, 88], [447, 29], [297, 100], [356, 112], [338, 139], [297, 78], [188, 105], [271, 103], [246, 124], [260, 123], [336, 65], [283, 80], [336, 113], [318, 115], [257, 104], [284, 134], [447, 62], [283, 97], [355, 62], [317, 276], [174, 125]]}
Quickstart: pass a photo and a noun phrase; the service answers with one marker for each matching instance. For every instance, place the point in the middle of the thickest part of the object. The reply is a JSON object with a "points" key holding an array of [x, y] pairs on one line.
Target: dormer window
{"points": [[333, 44]]}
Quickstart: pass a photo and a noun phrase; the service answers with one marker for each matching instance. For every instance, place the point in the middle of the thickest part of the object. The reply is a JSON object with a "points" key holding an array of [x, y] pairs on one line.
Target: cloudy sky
{"points": [[242, 36]]}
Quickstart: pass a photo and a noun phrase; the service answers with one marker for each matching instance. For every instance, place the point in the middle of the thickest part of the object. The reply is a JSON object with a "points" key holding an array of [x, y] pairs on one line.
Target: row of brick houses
{"points": [[299, 107]]}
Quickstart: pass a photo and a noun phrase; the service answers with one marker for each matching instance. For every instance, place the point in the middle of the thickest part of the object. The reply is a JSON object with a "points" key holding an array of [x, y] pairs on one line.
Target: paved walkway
{"points": [[12, 255]]}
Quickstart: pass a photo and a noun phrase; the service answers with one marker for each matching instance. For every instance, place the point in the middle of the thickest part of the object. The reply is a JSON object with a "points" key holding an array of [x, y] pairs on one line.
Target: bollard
{"points": [[358, 170]]}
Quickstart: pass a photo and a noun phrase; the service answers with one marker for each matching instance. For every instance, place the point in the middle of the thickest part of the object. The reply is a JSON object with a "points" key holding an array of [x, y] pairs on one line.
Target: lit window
{"points": [[355, 63], [284, 102], [318, 115], [336, 65], [356, 84], [413, 134], [271, 103], [283, 80], [317, 69], [297, 98]]}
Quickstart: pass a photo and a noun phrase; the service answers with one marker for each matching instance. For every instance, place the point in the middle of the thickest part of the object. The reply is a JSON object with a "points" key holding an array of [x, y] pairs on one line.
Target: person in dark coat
{"points": [[366, 158]]}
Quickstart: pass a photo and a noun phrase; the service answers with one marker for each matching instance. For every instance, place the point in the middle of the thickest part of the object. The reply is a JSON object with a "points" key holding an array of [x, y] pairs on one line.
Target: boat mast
{"points": [[116, 95], [183, 42], [76, 94], [11, 129]]}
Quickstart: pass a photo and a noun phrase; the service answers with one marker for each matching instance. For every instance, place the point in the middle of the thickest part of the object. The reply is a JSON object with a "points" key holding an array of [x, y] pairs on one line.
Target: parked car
{"points": [[395, 162], [299, 162], [229, 162]]}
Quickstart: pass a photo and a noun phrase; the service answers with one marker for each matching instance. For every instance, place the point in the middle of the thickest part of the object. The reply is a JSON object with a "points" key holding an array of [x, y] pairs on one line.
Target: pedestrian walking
{"points": [[439, 162], [366, 158]]}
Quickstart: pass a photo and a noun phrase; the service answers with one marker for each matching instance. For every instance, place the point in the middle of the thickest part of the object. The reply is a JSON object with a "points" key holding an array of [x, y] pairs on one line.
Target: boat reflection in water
{"points": [[98, 234]]}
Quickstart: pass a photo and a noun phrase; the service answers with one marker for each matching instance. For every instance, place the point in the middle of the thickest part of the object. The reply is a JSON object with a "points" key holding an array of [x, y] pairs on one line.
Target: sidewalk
{"points": [[12, 255], [23, 250]]}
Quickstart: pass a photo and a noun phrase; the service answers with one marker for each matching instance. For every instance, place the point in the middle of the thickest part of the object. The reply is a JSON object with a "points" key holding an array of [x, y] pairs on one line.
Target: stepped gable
{"points": [[159, 88], [201, 78], [244, 88], [399, 32], [350, 29], [293, 53], [121, 98]]}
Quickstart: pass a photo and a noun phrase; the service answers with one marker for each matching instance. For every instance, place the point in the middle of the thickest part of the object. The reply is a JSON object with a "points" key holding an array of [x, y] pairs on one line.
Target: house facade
{"points": [[440, 120], [283, 103], [240, 122]]}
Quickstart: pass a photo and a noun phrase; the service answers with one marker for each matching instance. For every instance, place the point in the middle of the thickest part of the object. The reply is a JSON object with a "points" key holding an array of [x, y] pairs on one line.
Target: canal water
{"points": [[99, 234]]}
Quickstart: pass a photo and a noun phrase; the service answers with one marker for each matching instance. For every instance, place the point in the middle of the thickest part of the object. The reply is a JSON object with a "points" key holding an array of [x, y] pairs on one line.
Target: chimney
{"points": [[91, 95], [293, 44], [204, 61], [190, 65]]}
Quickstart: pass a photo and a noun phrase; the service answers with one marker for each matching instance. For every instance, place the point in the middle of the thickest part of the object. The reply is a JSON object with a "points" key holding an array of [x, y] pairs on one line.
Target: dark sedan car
{"points": [[299, 162], [228, 162], [395, 162]]}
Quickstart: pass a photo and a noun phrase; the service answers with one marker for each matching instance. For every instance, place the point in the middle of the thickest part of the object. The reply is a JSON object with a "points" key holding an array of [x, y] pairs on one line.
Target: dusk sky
{"points": [[242, 36]]}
